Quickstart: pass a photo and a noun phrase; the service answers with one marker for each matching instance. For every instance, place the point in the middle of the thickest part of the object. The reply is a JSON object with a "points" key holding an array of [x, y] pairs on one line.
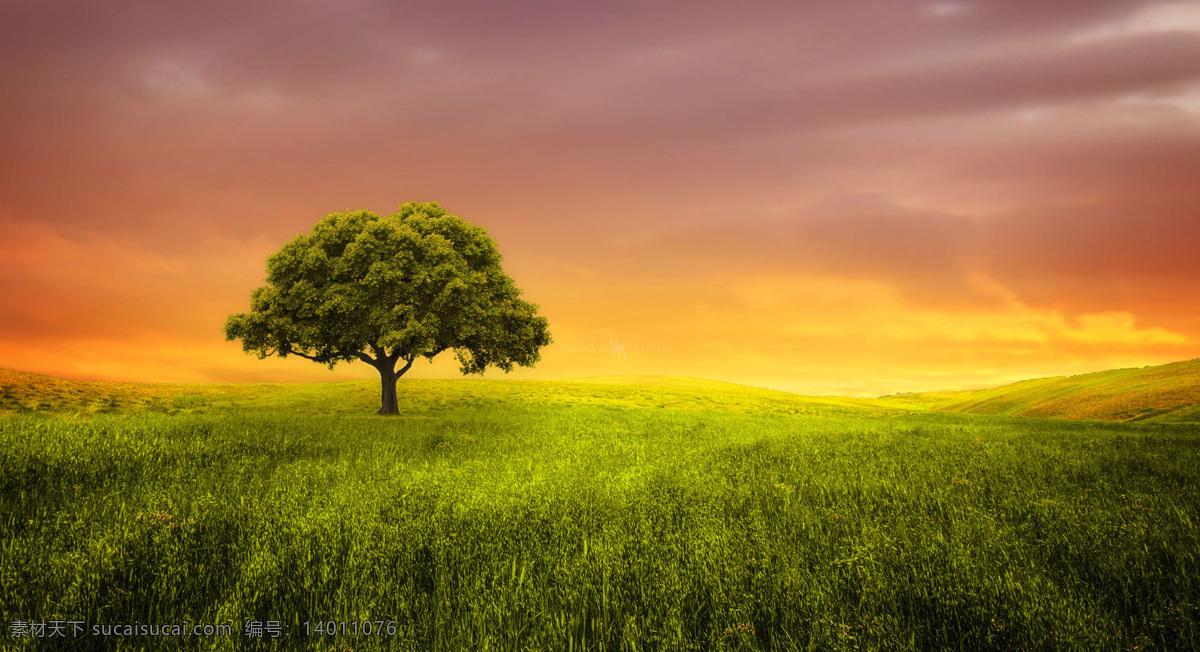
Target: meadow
{"points": [[631, 514], [1168, 393]]}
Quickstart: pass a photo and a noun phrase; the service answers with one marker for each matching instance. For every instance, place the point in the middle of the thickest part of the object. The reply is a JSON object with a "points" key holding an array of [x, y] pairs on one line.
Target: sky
{"points": [[855, 197]]}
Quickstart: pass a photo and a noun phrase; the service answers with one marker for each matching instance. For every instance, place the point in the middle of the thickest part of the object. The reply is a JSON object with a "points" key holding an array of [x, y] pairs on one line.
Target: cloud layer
{"points": [[835, 197]]}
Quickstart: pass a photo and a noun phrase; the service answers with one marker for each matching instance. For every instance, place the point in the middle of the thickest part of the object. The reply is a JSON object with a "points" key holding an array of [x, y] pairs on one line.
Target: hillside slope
{"points": [[1169, 392], [23, 392]]}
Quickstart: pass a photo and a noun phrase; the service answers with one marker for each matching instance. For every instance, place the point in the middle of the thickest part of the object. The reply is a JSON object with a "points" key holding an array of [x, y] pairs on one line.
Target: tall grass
{"points": [[514, 524]]}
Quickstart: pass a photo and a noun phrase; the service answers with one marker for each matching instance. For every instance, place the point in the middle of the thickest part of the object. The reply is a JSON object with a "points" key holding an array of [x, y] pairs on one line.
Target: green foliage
{"points": [[664, 514], [415, 283]]}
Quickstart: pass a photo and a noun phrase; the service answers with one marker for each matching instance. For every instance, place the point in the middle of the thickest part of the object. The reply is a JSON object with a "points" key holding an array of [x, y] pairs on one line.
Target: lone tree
{"points": [[386, 289]]}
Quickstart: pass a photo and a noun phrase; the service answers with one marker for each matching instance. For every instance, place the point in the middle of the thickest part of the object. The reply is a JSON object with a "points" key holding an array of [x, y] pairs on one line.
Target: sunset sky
{"points": [[854, 197]]}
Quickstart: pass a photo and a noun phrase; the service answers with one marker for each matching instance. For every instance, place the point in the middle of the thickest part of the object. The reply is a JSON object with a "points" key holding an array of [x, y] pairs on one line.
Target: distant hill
{"points": [[1169, 392], [1164, 393], [24, 392]]}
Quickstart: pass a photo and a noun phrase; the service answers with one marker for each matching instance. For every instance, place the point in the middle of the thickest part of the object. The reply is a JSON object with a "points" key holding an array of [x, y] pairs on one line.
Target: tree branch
{"points": [[400, 352], [408, 364], [328, 356], [380, 352]]}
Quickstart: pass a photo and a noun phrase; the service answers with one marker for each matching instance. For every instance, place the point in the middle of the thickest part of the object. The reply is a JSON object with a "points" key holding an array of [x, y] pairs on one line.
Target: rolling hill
{"points": [[24, 392], [1165, 393], [1168, 393]]}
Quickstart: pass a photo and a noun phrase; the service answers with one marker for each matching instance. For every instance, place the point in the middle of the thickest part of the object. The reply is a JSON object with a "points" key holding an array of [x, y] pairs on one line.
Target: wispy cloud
{"points": [[1154, 18], [660, 173]]}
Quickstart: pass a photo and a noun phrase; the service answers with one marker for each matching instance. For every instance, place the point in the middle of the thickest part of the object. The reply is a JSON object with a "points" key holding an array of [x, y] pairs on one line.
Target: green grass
{"points": [[1165, 393], [27, 393], [616, 514]]}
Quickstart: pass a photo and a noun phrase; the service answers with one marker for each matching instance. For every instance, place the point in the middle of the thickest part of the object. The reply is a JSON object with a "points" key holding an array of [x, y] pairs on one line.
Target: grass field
{"points": [[618, 514], [1165, 393]]}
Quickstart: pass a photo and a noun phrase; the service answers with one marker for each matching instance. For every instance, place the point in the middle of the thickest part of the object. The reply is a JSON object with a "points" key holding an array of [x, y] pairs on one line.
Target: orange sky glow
{"points": [[859, 197]]}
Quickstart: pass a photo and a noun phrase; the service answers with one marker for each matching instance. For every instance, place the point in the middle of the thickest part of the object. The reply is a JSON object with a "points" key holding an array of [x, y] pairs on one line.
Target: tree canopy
{"points": [[384, 289]]}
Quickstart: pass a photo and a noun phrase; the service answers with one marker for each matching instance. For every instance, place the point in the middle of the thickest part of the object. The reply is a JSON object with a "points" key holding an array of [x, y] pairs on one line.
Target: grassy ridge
{"points": [[22, 392], [1166, 393], [595, 515]]}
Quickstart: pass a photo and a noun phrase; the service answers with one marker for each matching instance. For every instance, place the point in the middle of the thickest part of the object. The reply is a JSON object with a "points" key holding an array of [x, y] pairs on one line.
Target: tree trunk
{"points": [[388, 376]]}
